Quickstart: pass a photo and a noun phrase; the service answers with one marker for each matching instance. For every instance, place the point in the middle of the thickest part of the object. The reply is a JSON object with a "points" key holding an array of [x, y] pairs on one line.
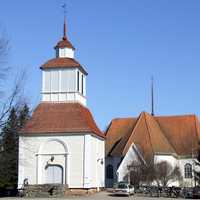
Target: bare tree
{"points": [[142, 173], [9, 96], [149, 172], [4, 69], [164, 172]]}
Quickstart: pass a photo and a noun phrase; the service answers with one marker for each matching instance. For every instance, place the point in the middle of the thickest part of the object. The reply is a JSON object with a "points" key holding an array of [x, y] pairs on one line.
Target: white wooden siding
{"points": [[61, 85]]}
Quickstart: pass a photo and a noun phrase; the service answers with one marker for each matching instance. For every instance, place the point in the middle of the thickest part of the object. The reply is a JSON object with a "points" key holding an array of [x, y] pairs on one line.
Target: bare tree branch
{"points": [[9, 95], [14, 98]]}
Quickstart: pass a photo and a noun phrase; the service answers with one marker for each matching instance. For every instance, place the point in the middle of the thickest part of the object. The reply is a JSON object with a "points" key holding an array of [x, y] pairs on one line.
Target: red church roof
{"points": [[64, 42], [177, 135], [62, 63], [66, 118]]}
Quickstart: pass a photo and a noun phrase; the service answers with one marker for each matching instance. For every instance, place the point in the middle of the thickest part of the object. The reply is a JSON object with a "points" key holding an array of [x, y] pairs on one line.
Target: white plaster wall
{"points": [[97, 162], [180, 162], [29, 147], [101, 163], [82, 156], [187, 182], [94, 162], [173, 161], [87, 179], [65, 53], [80, 98], [130, 157], [169, 158]]}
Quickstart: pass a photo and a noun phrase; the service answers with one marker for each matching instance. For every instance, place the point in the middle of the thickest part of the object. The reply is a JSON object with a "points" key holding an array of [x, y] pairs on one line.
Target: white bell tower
{"points": [[63, 78]]}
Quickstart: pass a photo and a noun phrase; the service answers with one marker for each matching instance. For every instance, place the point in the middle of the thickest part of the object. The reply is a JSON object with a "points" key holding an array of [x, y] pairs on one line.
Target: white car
{"points": [[123, 188]]}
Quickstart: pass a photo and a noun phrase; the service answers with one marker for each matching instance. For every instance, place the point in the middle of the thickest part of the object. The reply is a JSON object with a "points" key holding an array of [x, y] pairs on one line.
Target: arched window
{"points": [[109, 172], [188, 170]]}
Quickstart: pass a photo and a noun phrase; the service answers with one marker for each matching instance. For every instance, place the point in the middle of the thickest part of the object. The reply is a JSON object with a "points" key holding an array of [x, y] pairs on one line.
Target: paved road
{"points": [[98, 196]]}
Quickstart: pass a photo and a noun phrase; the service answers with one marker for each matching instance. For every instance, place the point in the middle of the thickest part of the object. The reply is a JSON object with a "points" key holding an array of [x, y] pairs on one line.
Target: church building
{"points": [[132, 141], [61, 143]]}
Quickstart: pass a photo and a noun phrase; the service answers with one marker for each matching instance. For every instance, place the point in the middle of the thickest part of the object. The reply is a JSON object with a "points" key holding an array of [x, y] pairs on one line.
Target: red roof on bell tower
{"points": [[64, 42]]}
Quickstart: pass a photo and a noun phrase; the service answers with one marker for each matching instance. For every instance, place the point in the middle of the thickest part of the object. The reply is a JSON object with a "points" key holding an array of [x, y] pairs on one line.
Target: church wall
{"points": [[187, 182], [114, 162], [28, 147], [31, 163], [94, 162], [130, 159], [173, 161], [168, 158], [180, 162], [97, 156], [65, 52]]}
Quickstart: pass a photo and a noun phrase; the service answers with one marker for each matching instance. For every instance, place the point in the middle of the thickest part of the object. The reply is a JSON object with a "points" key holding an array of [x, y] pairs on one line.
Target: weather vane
{"points": [[64, 6]]}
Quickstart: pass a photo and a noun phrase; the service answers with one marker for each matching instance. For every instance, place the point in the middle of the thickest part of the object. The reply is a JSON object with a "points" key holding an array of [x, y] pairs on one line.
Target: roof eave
{"points": [[62, 67]]}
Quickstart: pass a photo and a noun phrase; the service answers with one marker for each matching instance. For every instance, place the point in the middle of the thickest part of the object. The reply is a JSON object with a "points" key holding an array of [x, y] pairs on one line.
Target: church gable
{"points": [[176, 135], [141, 138]]}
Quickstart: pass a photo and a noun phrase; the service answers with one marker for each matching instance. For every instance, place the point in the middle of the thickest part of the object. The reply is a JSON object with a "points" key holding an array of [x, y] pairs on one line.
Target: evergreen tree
{"points": [[10, 151], [9, 155], [24, 115]]}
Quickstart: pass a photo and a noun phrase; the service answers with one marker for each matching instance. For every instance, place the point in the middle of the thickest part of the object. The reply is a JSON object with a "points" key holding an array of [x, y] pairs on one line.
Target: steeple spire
{"points": [[65, 30], [65, 24], [64, 48], [152, 96]]}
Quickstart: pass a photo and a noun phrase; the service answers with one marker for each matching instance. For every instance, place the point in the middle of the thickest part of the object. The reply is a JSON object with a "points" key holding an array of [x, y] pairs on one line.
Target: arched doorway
{"points": [[54, 174], [52, 162]]}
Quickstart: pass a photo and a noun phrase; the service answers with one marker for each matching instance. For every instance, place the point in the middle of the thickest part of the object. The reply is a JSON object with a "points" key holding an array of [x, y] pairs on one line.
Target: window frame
{"points": [[188, 170], [78, 82], [82, 83]]}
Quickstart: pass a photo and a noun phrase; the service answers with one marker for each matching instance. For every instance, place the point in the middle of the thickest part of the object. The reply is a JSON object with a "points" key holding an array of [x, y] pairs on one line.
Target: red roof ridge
{"points": [[144, 113], [162, 134], [126, 147], [178, 115]]}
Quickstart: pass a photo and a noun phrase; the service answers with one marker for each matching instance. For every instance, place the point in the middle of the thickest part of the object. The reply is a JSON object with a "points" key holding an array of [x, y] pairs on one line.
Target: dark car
{"points": [[196, 192], [187, 192]]}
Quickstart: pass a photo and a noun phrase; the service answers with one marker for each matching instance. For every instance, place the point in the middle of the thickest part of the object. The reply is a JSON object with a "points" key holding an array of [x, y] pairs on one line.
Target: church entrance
{"points": [[54, 174]]}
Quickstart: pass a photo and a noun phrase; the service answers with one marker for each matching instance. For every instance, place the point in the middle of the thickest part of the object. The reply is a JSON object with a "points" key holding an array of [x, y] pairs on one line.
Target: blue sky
{"points": [[121, 44]]}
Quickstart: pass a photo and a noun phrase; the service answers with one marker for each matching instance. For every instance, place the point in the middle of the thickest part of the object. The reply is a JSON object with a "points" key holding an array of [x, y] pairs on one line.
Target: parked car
{"points": [[187, 192], [123, 188], [196, 192]]}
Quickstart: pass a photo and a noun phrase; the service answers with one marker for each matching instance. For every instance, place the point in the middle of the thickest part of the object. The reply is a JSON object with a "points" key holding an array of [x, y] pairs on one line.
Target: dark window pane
{"points": [[188, 170], [109, 172]]}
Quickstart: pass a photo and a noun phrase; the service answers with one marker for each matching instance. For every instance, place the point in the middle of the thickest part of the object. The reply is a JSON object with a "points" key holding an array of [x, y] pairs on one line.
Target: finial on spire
{"points": [[152, 96], [65, 26]]}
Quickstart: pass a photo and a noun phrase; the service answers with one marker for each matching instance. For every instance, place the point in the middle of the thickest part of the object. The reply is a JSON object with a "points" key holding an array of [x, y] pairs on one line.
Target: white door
{"points": [[54, 174]]}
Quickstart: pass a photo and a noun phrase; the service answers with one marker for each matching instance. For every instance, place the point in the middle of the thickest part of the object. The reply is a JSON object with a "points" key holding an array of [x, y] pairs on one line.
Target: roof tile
{"points": [[64, 118], [62, 63]]}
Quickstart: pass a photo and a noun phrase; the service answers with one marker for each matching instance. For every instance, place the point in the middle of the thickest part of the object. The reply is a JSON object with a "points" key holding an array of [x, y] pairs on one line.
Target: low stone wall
{"points": [[45, 190], [82, 191], [55, 190]]}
